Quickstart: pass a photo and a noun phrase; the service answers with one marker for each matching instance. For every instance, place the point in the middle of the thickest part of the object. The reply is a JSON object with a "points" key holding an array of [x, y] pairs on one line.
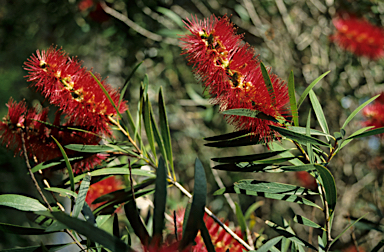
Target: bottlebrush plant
{"points": [[80, 140]]}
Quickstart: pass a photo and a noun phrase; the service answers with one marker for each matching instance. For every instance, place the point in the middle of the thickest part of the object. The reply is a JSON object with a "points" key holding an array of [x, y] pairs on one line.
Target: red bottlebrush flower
{"points": [[72, 88], [374, 113], [102, 187], [220, 238], [229, 68], [37, 134], [358, 36]]}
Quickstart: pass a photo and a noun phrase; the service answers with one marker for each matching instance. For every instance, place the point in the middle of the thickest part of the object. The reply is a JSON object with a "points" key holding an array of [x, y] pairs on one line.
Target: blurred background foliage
{"points": [[288, 35]]}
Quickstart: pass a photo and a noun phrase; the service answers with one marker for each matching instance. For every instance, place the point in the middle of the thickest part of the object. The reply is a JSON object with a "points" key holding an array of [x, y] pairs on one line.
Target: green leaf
{"points": [[53, 162], [290, 236], [20, 202], [62, 191], [346, 229], [106, 93], [309, 88], [20, 230], [308, 133], [241, 220], [125, 86], [51, 248], [304, 221], [245, 167], [84, 186], [296, 168], [91, 232], [272, 187], [368, 133], [196, 214], [321, 243], [292, 99], [284, 197], [228, 136], [303, 130], [300, 138], [135, 220], [206, 238], [267, 246], [114, 171], [252, 208], [329, 186], [350, 138], [319, 112], [68, 164], [90, 148], [148, 126], [247, 158], [160, 200], [351, 116], [240, 141], [249, 113], [268, 83], [164, 128]]}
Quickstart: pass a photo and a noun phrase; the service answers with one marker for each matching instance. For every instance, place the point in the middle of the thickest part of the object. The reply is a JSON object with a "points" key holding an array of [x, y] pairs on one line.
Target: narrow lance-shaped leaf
{"points": [[125, 86], [241, 220], [268, 245], [368, 133], [249, 113], [304, 221], [196, 213], [159, 201], [319, 112], [308, 133], [268, 83], [228, 136], [137, 224], [148, 126], [346, 229], [206, 238], [164, 128], [20, 230], [92, 232], [309, 88], [292, 99], [300, 138], [83, 190], [247, 158], [159, 140], [353, 114], [69, 167], [329, 186]]}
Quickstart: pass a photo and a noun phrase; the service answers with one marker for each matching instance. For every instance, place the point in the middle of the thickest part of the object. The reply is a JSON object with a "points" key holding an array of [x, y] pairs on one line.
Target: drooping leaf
{"points": [[68, 164], [20, 230], [300, 138], [196, 213], [284, 197], [164, 128], [227, 136], [134, 219], [236, 142], [292, 98], [53, 162], [92, 232], [329, 186], [62, 191], [267, 246], [20, 202], [124, 170], [319, 113], [357, 110], [309, 88], [247, 158], [295, 239], [84, 186], [304, 221], [249, 113], [159, 200]]}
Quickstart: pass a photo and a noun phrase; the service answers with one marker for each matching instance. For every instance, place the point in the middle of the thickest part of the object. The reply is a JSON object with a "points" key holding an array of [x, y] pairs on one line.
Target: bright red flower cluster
{"points": [[101, 188], [375, 113], [358, 36], [80, 100], [231, 71]]}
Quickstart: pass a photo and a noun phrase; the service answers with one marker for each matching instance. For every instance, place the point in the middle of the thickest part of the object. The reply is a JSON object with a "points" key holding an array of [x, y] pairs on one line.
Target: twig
{"points": [[125, 133], [327, 220], [39, 189], [135, 26], [131, 180], [210, 214]]}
